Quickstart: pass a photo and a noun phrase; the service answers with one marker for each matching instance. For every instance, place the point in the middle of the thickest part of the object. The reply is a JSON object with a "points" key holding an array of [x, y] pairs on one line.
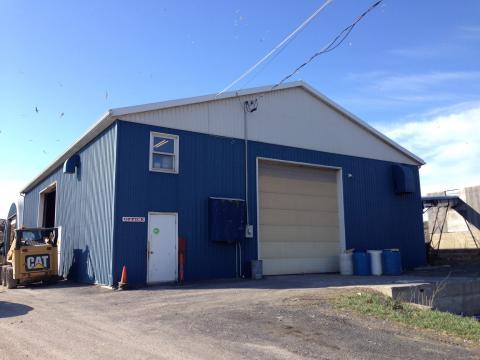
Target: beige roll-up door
{"points": [[299, 226]]}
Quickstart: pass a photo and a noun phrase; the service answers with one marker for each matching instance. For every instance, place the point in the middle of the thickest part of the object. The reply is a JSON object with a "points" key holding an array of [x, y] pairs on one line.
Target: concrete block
{"points": [[459, 296]]}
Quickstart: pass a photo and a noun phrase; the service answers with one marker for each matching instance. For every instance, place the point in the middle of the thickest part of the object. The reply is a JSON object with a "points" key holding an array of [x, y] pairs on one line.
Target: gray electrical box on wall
{"points": [[249, 231]]}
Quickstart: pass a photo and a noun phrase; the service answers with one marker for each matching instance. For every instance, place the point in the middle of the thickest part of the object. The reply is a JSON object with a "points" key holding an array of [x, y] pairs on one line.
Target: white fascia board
{"points": [[104, 122], [200, 99]]}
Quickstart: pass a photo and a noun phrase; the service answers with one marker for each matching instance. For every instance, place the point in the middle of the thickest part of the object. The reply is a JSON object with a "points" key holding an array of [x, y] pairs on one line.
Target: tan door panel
{"points": [[299, 222]]}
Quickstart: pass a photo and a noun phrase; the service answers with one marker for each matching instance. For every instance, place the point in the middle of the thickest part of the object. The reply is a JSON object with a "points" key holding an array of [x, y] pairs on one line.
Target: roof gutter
{"points": [[100, 125]]}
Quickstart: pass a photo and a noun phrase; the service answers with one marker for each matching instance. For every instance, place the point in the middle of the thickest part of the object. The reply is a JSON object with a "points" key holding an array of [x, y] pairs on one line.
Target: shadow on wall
{"points": [[79, 269], [78, 173], [8, 309]]}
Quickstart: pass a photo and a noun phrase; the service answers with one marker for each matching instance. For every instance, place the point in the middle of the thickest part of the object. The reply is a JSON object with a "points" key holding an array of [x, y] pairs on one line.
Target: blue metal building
{"points": [[318, 181]]}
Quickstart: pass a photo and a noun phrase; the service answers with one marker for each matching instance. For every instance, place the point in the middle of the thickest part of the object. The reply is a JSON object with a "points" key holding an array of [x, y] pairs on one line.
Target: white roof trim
{"points": [[200, 99], [109, 117]]}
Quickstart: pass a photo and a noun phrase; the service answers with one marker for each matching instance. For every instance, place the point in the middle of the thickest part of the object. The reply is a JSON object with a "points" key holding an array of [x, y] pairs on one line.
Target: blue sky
{"points": [[410, 68]]}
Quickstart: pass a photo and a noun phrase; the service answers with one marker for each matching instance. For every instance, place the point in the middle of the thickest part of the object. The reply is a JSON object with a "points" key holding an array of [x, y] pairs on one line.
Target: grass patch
{"points": [[383, 307]]}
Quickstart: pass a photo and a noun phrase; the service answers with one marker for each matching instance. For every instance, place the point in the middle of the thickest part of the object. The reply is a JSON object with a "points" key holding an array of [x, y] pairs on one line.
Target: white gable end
{"points": [[294, 114], [291, 117]]}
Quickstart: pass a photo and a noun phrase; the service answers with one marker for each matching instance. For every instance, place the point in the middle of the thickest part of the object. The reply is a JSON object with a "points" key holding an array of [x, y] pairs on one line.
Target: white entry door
{"points": [[162, 248]]}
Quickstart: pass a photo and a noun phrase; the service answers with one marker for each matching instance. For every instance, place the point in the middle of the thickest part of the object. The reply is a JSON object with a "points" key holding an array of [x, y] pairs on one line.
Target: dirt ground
{"points": [[285, 317]]}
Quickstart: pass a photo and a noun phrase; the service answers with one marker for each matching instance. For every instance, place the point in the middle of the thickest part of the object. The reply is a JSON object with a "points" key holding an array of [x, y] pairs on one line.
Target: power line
{"points": [[279, 46], [336, 42]]}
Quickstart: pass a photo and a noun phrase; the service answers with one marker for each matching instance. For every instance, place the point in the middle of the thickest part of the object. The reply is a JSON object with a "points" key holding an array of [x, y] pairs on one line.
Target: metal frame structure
{"points": [[444, 202]]}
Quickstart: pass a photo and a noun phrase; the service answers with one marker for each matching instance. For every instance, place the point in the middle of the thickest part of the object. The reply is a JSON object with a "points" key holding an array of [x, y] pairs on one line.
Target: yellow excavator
{"points": [[32, 256]]}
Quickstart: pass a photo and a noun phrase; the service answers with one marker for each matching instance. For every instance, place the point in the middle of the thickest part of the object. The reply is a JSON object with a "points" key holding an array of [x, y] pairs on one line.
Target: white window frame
{"points": [[176, 153]]}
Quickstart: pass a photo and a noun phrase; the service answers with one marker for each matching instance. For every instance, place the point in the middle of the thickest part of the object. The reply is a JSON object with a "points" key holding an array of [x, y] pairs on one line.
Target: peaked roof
{"points": [[111, 115]]}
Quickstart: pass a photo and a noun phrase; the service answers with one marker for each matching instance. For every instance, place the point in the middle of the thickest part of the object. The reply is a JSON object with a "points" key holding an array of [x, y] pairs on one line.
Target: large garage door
{"points": [[299, 227]]}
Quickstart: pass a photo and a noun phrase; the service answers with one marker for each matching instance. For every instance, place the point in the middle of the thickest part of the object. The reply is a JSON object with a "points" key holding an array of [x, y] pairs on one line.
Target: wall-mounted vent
{"points": [[226, 219], [71, 164], [403, 179]]}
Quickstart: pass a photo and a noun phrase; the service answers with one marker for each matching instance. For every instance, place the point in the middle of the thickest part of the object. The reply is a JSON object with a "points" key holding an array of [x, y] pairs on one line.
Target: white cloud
{"points": [[376, 90], [455, 44], [419, 51], [449, 144], [446, 110], [422, 82], [366, 75], [471, 32]]}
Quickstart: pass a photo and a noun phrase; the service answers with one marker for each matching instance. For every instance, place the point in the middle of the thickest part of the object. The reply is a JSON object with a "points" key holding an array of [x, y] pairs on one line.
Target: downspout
{"points": [[248, 107], [245, 133]]}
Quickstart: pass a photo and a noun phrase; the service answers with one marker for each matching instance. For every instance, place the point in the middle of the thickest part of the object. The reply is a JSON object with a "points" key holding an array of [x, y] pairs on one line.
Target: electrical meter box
{"points": [[226, 219]]}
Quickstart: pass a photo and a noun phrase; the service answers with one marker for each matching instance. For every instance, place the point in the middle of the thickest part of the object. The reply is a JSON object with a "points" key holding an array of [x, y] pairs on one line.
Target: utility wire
{"points": [[261, 68], [279, 46], [336, 42]]}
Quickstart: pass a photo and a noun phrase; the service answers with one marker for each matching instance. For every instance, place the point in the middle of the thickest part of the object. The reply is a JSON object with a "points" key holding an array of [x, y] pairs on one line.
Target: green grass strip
{"points": [[383, 307]]}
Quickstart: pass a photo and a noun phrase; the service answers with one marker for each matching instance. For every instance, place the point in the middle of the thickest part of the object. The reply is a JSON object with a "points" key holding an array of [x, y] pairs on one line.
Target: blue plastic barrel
{"points": [[361, 263], [392, 262]]}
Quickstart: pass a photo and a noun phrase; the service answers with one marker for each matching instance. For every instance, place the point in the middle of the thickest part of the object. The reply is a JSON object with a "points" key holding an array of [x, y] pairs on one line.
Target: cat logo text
{"points": [[37, 262]]}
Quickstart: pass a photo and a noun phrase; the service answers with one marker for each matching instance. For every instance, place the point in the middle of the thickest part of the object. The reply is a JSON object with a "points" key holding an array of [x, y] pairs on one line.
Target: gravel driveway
{"points": [[277, 318]]}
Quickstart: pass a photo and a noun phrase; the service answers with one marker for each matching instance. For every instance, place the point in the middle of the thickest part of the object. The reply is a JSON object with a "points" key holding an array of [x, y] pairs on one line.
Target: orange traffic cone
{"points": [[122, 285]]}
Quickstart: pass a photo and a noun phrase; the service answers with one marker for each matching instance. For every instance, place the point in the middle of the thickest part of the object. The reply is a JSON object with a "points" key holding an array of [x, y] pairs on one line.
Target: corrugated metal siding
{"points": [[288, 117], [85, 205], [375, 217], [213, 166], [209, 166]]}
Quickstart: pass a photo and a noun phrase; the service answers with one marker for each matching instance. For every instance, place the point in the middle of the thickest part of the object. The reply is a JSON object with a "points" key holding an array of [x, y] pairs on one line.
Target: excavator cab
{"points": [[32, 257]]}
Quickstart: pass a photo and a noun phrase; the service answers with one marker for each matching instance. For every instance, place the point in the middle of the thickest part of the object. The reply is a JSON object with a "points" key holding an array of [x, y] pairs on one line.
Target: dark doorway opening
{"points": [[49, 208]]}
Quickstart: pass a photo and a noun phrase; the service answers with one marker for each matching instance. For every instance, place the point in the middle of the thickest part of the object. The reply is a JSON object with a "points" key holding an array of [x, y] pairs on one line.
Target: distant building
{"points": [[455, 232]]}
